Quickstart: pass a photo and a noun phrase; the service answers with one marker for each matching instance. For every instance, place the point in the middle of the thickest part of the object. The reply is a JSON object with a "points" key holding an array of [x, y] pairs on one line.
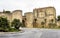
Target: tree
{"points": [[6, 11], [5, 27], [58, 18], [16, 23], [4, 24]]}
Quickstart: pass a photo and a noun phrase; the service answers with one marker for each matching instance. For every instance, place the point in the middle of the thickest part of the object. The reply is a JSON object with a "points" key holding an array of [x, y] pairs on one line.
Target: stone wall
{"points": [[40, 17], [29, 19], [17, 14], [58, 23], [46, 15], [6, 15], [51, 15]]}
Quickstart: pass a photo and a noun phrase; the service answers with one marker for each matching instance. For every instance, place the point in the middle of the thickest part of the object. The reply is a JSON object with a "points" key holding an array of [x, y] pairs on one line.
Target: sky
{"points": [[29, 5]]}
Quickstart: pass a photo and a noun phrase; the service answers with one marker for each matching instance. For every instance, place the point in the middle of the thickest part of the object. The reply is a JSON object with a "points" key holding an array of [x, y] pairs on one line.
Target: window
{"points": [[42, 23], [35, 20], [45, 20], [52, 20], [25, 18]]}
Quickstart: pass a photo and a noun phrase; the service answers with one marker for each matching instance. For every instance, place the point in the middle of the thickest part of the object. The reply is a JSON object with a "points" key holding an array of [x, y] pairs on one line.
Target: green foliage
{"points": [[4, 23], [16, 23], [13, 30], [6, 12], [5, 27], [58, 18]]}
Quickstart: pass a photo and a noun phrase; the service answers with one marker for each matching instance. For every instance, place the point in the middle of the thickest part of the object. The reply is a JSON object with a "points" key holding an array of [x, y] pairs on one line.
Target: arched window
{"points": [[35, 20], [25, 18], [45, 20], [52, 20], [23, 23], [42, 23]]}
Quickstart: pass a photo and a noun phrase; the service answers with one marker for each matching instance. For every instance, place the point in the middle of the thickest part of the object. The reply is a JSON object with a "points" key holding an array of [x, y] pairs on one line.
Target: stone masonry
{"points": [[40, 17], [45, 16]]}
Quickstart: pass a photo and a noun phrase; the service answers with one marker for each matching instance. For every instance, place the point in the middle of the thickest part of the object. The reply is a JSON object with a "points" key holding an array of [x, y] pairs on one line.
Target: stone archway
{"points": [[35, 23], [23, 22]]}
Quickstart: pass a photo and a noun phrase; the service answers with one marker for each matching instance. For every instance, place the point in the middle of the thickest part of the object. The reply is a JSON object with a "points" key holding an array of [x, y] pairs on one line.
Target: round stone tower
{"points": [[29, 19], [17, 14]]}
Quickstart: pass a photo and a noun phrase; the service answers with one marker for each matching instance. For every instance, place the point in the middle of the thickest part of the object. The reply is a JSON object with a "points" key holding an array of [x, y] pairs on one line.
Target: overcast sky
{"points": [[28, 5]]}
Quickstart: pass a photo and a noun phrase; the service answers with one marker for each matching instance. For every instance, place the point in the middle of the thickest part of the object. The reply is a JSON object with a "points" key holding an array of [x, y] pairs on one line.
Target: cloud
{"points": [[28, 5]]}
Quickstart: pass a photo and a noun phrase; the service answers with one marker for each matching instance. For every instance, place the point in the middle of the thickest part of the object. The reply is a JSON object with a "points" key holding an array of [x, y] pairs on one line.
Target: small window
{"points": [[23, 21], [35, 19], [45, 20], [42, 23], [52, 20], [25, 18]]}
